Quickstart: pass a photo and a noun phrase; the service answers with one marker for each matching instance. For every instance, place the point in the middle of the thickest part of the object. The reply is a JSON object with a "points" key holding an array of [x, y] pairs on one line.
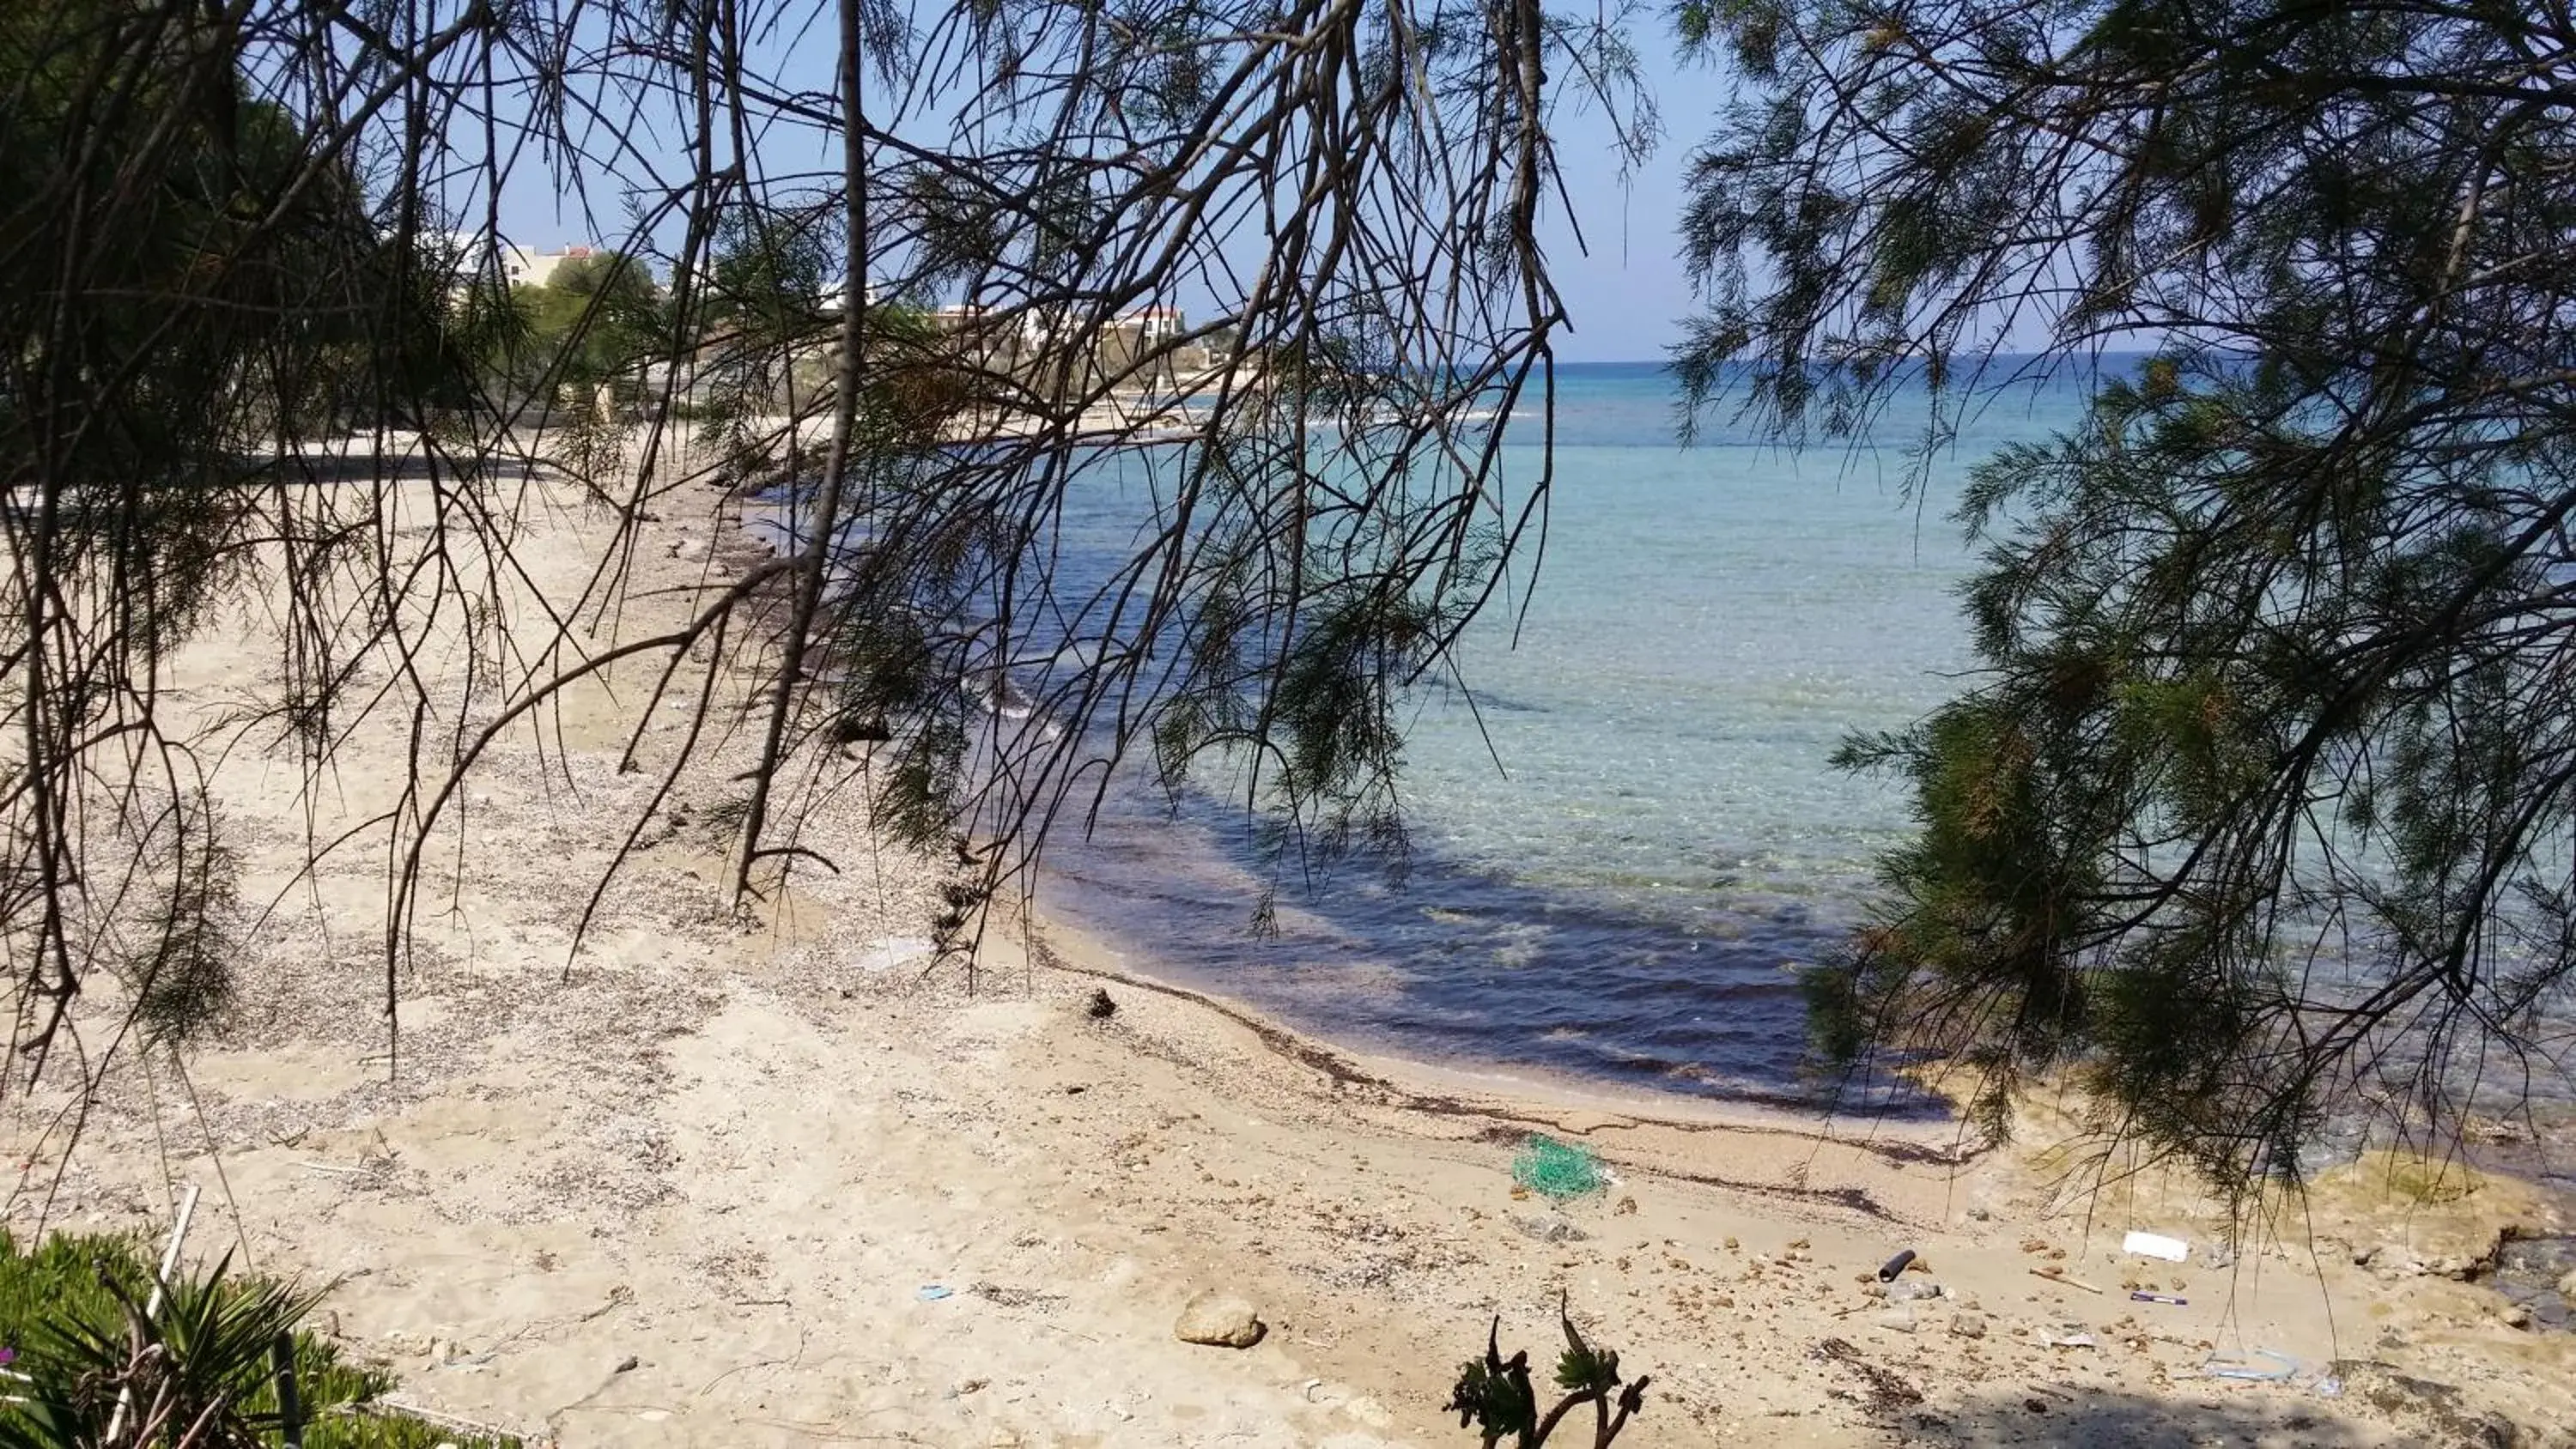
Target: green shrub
{"points": [[69, 1308]]}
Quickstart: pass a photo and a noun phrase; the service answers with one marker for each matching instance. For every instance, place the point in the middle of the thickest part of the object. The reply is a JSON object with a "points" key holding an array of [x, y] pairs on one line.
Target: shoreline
{"points": [[1536, 1091], [755, 1180]]}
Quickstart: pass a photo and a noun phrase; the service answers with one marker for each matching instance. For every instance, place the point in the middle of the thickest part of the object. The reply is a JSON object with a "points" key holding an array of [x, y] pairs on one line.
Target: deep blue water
{"points": [[1627, 894]]}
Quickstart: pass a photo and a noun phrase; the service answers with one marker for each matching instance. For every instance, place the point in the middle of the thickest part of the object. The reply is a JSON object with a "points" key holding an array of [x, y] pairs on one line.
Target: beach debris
{"points": [[1901, 1319], [2144, 1297], [1912, 1288], [1549, 1230], [1888, 1270], [152, 1304], [2067, 1339], [1009, 1297], [891, 953], [932, 1292], [1219, 1320], [1102, 1006], [627, 1365], [1887, 1391], [2055, 1274], [2156, 1245], [2280, 1370], [1555, 1171], [1964, 1324]]}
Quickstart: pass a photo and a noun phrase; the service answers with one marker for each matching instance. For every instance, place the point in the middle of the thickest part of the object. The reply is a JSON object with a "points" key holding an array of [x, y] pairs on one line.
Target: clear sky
{"points": [[1626, 292]]}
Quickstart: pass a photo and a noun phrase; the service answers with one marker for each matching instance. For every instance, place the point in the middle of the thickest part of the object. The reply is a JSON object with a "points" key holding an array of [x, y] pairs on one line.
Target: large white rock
{"points": [[1219, 1319]]}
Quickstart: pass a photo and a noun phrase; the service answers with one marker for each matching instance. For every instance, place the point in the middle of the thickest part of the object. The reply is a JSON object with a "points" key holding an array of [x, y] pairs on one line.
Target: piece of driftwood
{"points": [[388, 1407], [152, 1305], [2068, 1280]]}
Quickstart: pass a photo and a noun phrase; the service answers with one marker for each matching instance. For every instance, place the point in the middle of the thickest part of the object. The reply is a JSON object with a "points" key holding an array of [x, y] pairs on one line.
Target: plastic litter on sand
{"points": [[933, 1292], [2281, 1370], [2156, 1245], [1558, 1172]]}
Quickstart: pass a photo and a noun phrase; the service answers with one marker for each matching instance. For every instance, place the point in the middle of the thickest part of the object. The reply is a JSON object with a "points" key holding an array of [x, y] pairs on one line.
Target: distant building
{"points": [[1136, 350], [1140, 351], [470, 255], [524, 268]]}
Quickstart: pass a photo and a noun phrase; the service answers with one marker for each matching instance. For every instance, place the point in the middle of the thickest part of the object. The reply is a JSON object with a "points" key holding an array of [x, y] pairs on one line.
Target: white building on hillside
{"points": [[525, 268]]}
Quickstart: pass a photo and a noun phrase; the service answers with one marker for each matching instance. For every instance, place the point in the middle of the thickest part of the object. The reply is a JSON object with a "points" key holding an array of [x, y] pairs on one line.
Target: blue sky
{"points": [[1625, 290], [1628, 295]]}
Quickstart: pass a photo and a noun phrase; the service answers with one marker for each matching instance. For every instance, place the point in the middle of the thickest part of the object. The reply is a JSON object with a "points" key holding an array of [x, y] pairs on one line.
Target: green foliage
{"points": [[768, 277], [2262, 804], [180, 961], [72, 1307], [309, 298], [596, 319], [1495, 1397]]}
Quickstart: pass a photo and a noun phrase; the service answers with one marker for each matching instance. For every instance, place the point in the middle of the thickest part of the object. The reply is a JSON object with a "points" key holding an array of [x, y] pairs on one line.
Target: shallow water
{"points": [[1631, 842], [1627, 895]]}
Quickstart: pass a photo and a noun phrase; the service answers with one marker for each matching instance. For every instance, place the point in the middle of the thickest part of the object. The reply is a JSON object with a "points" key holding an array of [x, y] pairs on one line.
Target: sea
{"points": [[1627, 836]]}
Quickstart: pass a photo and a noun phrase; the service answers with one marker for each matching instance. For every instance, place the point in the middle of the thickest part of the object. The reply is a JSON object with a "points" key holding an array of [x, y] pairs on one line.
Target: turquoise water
{"points": [[1626, 894]]}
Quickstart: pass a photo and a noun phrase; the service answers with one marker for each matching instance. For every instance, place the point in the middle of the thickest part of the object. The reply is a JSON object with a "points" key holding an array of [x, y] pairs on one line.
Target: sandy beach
{"points": [[764, 1180]]}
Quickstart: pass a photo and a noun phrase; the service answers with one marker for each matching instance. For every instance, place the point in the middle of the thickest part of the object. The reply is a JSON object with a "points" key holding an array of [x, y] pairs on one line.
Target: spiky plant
{"points": [[1495, 1397], [100, 1366]]}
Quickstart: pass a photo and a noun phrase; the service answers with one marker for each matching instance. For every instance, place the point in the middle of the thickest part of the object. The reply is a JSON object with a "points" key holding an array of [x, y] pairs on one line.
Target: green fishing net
{"points": [[1556, 1171]]}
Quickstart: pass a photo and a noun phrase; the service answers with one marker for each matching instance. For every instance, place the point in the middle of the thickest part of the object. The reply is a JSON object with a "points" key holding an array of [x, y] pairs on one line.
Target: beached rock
{"points": [[1219, 1320], [1549, 1230], [2567, 1287], [1968, 1325], [2433, 1412], [2392, 1260]]}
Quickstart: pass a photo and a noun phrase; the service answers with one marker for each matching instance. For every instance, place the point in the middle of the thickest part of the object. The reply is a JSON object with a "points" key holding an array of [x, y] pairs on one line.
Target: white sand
{"points": [[736, 1151]]}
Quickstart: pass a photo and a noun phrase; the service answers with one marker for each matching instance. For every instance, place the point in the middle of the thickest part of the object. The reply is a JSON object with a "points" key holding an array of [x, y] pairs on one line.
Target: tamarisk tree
{"points": [[912, 279], [2263, 805]]}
